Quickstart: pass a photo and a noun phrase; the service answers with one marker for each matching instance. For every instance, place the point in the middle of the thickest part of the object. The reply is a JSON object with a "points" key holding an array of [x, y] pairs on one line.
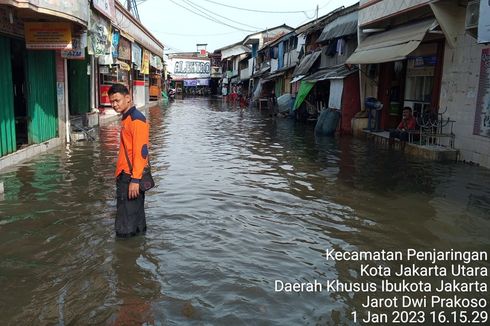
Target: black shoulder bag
{"points": [[146, 182]]}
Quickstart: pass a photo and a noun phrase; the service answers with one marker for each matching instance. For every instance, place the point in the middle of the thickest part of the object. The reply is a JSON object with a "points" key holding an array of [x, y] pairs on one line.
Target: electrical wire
{"points": [[207, 10], [210, 18], [192, 35], [262, 11]]}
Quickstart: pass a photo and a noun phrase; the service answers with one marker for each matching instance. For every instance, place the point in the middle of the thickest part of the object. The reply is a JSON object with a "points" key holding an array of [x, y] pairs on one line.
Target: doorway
{"points": [[19, 85]]}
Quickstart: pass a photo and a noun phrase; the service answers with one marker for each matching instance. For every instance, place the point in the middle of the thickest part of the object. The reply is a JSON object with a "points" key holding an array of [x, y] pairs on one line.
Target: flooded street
{"points": [[243, 200]]}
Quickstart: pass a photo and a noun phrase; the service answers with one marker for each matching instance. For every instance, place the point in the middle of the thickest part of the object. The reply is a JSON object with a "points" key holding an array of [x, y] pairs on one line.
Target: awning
{"points": [[304, 90], [306, 63], [261, 72], [392, 45], [297, 78], [342, 26], [336, 72], [450, 18], [273, 76]]}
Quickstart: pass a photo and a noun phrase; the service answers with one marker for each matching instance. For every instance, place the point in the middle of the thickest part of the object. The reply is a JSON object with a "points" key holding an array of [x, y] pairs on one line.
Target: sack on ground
{"points": [[147, 182]]}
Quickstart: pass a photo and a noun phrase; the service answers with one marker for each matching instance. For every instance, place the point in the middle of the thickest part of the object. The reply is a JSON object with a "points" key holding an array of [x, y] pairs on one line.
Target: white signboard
{"points": [[189, 68], [78, 48]]}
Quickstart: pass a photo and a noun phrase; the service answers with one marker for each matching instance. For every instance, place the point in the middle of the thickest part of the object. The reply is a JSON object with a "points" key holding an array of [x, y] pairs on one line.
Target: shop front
{"points": [[404, 64], [35, 72]]}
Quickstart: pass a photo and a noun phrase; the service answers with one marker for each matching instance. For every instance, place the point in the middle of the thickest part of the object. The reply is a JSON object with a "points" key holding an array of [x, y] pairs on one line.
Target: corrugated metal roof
{"points": [[342, 26], [306, 63], [273, 76], [337, 72], [261, 72]]}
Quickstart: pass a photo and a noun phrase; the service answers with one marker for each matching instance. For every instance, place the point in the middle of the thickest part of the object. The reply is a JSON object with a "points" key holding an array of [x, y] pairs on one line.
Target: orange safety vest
{"points": [[135, 134]]}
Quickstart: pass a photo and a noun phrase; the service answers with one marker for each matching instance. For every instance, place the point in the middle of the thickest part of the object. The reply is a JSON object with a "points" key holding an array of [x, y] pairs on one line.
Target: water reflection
{"points": [[243, 199]]}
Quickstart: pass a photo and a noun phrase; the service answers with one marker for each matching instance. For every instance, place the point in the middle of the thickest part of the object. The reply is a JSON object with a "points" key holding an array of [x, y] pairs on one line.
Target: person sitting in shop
{"points": [[402, 131]]}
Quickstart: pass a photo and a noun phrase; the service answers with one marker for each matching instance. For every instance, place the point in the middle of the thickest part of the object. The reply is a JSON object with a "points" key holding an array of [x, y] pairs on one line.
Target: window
{"points": [[420, 79]]}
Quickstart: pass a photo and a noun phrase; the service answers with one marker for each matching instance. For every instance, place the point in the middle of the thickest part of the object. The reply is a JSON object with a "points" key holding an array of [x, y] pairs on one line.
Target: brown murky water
{"points": [[242, 200]]}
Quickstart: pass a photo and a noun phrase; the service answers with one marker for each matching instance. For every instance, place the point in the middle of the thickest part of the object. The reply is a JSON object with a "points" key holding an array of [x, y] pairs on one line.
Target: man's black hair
{"points": [[118, 88]]}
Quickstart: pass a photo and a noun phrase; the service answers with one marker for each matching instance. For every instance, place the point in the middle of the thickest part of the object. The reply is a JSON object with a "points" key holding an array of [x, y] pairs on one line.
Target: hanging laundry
{"points": [[340, 46]]}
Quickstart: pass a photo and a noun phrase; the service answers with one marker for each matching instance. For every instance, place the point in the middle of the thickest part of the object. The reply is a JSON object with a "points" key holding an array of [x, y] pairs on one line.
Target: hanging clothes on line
{"points": [[340, 46]]}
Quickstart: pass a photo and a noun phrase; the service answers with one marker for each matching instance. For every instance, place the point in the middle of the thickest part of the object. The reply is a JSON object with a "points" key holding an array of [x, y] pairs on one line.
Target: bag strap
{"points": [[127, 156]]}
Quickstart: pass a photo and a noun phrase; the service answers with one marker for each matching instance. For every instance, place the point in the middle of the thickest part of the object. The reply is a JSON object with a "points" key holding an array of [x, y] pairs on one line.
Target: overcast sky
{"points": [[180, 29]]}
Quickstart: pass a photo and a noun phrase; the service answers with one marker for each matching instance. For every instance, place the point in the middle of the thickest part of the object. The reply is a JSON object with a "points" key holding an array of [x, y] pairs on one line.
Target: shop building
{"points": [[58, 58], [33, 74], [426, 55]]}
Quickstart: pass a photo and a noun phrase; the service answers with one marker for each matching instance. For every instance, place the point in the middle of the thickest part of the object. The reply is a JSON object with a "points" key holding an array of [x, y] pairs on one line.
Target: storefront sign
{"points": [[124, 49], [98, 38], [484, 22], [78, 48], [482, 116], [136, 55], [196, 82], [48, 36], [106, 7], [145, 64], [189, 68]]}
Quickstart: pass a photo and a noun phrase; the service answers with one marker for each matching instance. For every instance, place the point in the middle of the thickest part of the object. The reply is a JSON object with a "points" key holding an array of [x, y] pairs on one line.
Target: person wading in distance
{"points": [[130, 216]]}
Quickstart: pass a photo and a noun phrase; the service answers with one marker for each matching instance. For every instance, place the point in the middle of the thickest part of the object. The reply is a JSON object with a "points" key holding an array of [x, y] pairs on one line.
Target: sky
{"points": [[181, 24]]}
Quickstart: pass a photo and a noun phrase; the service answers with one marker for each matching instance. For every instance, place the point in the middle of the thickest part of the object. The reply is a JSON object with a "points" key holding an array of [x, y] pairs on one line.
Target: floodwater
{"points": [[243, 200]]}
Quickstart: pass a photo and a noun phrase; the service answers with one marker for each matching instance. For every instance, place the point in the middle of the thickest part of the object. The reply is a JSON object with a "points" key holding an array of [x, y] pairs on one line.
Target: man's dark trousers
{"points": [[130, 216]]}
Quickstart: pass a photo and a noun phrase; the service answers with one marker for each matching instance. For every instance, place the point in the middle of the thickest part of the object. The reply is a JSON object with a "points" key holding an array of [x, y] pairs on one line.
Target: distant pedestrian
{"points": [[130, 216]]}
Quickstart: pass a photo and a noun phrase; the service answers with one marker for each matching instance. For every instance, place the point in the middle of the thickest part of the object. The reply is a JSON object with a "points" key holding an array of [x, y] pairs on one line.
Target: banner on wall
{"points": [[99, 30], [482, 116], [145, 64], [136, 55], [48, 36], [124, 49], [115, 43]]}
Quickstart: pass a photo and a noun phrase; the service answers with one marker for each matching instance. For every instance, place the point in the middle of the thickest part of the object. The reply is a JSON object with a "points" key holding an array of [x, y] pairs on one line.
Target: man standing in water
{"points": [[132, 159]]}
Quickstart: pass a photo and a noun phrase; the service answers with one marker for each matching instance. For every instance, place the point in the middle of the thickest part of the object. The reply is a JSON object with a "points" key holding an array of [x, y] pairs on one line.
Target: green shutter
{"points": [[42, 104], [79, 86], [7, 116]]}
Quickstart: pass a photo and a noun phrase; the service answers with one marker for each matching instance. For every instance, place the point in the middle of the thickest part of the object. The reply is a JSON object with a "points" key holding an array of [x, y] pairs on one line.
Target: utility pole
{"points": [[316, 13]]}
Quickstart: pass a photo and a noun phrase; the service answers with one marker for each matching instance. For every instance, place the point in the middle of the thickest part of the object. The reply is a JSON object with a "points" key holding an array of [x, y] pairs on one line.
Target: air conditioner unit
{"points": [[472, 14]]}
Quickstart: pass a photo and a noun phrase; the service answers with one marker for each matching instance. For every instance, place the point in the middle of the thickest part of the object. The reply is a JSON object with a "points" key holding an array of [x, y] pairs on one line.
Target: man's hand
{"points": [[134, 190]]}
